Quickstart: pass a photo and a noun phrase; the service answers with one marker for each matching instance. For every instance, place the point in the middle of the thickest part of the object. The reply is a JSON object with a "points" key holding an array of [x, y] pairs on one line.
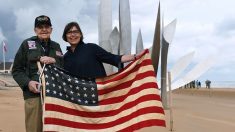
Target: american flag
{"points": [[125, 101], [4, 46]]}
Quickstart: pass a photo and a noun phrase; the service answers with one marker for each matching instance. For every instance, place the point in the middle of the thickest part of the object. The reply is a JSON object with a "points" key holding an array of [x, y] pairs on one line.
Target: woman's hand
{"points": [[140, 54], [47, 60], [128, 58]]}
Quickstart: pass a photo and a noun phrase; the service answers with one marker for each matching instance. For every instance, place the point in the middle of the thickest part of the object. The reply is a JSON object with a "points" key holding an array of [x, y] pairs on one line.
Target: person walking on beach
{"points": [[208, 84], [199, 84], [25, 71]]}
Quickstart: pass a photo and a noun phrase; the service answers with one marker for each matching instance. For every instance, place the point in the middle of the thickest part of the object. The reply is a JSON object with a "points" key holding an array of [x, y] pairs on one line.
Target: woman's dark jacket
{"points": [[87, 59]]}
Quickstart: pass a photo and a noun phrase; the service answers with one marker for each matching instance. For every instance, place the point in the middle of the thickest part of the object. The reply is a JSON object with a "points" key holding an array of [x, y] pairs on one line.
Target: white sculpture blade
{"points": [[181, 65], [114, 40], [169, 31], [105, 21], [125, 27], [156, 46], [139, 43], [196, 72], [105, 28]]}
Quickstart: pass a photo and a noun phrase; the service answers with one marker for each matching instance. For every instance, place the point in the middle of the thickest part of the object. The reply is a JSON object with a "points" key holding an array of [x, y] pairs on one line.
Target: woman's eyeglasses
{"points": [[75, 32]]}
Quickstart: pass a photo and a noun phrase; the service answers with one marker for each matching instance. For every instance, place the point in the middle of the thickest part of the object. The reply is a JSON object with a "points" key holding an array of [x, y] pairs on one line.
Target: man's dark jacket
{"points": [[25, 64]]}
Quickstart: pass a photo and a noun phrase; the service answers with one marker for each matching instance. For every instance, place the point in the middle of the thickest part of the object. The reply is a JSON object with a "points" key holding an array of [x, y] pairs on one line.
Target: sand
{"points": [[194, 110]]}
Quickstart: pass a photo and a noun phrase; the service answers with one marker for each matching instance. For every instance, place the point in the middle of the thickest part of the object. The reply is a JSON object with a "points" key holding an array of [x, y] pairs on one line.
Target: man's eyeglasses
{"points": [[75, 32]]}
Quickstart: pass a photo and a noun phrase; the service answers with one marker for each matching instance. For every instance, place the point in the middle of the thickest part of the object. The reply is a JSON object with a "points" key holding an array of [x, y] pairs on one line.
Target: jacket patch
{"points": [[32, 45], [58, 53]]}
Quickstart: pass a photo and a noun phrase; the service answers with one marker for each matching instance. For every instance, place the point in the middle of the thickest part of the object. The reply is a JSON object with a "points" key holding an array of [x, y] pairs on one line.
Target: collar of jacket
{"points": [[68, 48]]}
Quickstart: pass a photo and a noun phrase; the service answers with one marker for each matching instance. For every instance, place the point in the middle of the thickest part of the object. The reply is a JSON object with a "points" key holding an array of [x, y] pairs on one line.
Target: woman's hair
{"points": [[68, 27]]}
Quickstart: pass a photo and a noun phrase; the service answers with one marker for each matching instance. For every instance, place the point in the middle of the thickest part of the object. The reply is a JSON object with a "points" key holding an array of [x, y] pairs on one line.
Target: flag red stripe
{"points": [[62, 109], [148, 58], [93, 126], [4, 47], [123, 75], [148, 123], [126, 84], [133, 91]]}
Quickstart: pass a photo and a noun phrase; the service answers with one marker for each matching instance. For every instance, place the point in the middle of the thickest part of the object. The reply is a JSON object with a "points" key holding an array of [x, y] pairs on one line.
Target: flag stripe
{"points": [[132, 127], [132, 124], [143, 124], [112, 76], [124, 79], [136, 114], [144, 57], [108, 107], [109, 116], [125, 73], [125, 84], [135, 84], [4, 46], [62, 109], [123, 97]]}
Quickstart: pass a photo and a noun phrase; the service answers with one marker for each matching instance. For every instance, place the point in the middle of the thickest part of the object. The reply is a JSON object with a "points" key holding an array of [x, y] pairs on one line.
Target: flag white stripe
{"points": [[126, 90], [127, 69], [125, 79]]}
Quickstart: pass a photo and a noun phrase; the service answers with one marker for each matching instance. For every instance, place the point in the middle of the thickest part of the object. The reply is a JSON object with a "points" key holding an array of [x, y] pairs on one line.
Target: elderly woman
{"points": [[85, 59]]}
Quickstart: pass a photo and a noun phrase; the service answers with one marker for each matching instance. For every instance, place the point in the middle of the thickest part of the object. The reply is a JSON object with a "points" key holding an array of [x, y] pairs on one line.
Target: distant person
{"points": [[192, 84], [25, 71], [196, 84], [208, 84], [199, 84]]}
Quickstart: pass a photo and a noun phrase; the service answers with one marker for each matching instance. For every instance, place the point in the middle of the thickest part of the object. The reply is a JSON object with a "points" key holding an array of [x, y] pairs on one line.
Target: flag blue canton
{"points": [[82, 91]]}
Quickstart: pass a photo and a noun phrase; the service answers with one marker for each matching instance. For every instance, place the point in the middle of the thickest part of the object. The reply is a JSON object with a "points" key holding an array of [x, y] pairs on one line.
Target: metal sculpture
{"points": [[168, 34], [105, 28], [125, 27], [155, 51], [114, 40], [139, 43]]}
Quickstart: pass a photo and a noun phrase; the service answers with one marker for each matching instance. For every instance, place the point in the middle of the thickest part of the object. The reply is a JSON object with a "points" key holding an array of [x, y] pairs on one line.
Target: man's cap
{"points": [[42, 20]]}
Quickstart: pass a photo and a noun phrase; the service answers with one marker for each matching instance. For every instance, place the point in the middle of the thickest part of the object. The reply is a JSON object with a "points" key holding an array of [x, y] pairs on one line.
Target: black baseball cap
{"points": [[42, 20]]}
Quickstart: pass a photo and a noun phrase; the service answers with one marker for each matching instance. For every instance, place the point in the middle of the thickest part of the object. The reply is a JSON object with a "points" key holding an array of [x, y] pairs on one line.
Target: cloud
{"points": [[226, 28], [19, 18], [206, 27], [2, 37]]}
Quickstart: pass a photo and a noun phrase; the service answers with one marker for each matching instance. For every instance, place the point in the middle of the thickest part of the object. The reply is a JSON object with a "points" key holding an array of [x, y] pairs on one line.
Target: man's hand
{"points": [[33, 86], [47, 60]]}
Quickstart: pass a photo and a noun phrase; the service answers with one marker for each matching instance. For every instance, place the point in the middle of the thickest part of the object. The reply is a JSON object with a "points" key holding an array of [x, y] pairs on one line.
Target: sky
{"points": [[204, 26]]}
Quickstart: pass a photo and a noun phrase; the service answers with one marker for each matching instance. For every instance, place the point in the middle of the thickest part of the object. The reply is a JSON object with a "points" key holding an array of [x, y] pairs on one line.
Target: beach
{"points": [[194, 110]]}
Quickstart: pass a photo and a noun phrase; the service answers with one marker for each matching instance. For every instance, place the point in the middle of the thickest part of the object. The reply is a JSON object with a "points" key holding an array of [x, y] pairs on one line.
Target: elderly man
{"points": [[25, 71]]}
